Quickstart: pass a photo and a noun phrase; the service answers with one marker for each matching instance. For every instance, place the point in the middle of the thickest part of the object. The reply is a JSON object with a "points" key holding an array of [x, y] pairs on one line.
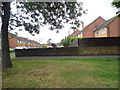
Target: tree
{"points": [[66, 42], [33, 15], [116, 3], [6, 63]]}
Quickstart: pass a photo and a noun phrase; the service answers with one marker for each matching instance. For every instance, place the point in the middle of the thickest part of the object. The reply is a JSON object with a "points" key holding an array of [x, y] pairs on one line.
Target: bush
{"points": [[11, 50], [66, 42]]}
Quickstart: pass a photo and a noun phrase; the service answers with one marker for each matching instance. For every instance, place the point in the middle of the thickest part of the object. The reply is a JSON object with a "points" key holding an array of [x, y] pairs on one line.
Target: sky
{"points": [[95, 8]]}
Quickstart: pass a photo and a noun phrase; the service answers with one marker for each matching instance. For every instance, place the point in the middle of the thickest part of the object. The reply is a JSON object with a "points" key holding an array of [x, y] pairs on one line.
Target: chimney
{"points": [[82, 25], [68, 33]]}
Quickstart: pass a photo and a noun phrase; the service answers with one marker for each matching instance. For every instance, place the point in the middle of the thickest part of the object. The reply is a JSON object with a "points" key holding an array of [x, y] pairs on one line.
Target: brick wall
{"points": [[13, 43], [114, 28], [26, 44], [99, 50], [88, 31], [87, 46]]}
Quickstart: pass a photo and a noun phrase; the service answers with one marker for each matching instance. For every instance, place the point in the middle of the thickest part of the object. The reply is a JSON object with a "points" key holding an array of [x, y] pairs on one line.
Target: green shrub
{"points": [[66, 42], [11, 49]]}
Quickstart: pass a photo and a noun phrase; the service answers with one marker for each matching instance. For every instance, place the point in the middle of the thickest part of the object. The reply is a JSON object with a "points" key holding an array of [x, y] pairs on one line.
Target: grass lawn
{"points": [[62, 73]]}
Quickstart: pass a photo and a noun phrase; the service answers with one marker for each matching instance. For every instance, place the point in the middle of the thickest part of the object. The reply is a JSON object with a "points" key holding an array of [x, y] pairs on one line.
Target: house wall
{"points": [[26, 44], [19, 44], [13, 43], [88, 31], [115, 28], [80, 35]]}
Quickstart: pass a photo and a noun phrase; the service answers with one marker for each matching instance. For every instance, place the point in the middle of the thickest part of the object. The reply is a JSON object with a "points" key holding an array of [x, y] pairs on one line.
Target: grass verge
{"points": [[62, 73]]}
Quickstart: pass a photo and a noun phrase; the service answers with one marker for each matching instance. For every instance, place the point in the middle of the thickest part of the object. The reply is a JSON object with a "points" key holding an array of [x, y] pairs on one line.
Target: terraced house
{"points": [[16, 41]]}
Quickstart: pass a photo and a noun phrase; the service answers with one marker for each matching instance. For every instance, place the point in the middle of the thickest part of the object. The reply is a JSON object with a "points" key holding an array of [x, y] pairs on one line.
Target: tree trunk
{"points": [[6, 62]]}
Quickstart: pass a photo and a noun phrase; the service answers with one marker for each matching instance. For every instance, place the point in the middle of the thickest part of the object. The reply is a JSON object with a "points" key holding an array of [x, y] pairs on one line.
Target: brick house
{"points": [[87, 32], [75, 33], [108, 28], [100, 28], [16, 41]]}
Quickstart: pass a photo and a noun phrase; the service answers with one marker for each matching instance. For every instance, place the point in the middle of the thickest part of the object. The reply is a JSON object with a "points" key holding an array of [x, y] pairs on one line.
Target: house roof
{"points": [[106, 23], [92, 22], [75, 33], [18, 38]]}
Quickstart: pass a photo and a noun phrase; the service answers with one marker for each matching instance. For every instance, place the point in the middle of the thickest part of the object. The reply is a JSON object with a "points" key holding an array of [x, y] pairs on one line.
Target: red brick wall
{"points": [[26, 44], [88, 31], [114, 28], [13, 43]]}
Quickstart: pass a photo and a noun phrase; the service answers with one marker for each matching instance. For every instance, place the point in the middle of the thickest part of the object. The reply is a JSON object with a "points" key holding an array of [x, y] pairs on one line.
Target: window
{"points": [[102, 31], [96, 33]]}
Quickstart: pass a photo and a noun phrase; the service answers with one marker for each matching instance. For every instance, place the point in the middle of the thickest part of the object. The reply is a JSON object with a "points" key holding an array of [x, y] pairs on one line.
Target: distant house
{"points": [[75, 33], [88, 32], [16, 41], [108, 28]]}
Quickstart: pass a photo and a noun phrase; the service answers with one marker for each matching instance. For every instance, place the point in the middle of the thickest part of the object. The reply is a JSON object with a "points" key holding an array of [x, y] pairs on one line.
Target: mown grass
{"points": [[62, 73]]}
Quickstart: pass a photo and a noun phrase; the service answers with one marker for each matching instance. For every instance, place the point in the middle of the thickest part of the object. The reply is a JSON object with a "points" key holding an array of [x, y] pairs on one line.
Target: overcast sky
{"points": [[95, 8]]}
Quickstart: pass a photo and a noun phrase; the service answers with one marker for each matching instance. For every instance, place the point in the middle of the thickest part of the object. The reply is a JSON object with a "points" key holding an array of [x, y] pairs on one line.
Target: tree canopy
{"points": [[34, 15], [116, 3]]}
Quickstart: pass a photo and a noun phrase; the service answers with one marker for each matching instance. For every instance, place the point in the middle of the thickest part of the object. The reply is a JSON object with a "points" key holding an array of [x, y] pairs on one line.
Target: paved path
{"points": [[110, 56]]}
